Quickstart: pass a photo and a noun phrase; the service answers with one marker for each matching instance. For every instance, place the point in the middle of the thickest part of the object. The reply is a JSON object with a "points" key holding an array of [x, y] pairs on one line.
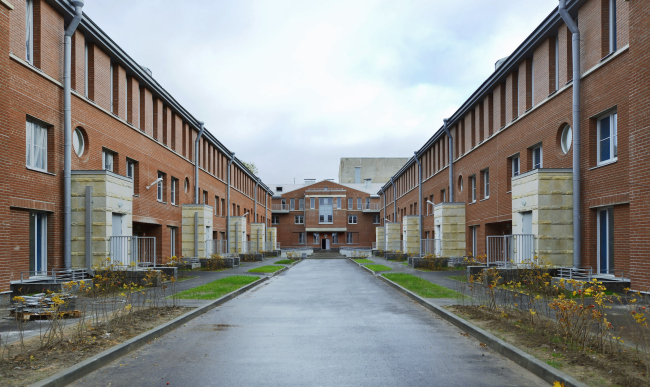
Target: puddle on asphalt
{"points": [[215, 327]]}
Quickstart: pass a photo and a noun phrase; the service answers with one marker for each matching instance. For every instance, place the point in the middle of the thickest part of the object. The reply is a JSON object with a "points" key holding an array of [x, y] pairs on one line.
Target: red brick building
{"points": [[326, 215], [129, 133], [513, 152]]}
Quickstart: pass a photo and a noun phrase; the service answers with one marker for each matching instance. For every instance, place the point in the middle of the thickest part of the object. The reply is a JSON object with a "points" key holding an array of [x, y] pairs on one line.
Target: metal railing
{"points": [[54, 275], [216, 246], [280, 207], [511, 249], [371, 207], [336, 191], [431, 246], [133, 251]]}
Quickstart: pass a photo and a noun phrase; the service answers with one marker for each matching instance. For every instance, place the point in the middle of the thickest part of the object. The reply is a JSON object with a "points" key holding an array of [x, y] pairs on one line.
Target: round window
{"points": [[567, 139], [78, 142]]}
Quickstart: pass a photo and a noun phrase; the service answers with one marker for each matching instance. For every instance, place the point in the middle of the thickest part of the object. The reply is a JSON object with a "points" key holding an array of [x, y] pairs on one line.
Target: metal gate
{"points": [[133, 251]]}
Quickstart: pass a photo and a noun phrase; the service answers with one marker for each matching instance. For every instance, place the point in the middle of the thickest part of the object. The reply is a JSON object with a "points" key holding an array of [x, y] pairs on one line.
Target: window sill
{"points": [[484, 199], [509, 192], [161, 202], [136, 196], [604, 164], [175, 205], [40, 171]]}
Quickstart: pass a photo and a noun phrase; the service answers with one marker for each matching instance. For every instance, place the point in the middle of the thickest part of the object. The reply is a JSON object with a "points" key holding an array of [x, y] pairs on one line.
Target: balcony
{"points": [[282, 207], [325, 192], [371, 207]]}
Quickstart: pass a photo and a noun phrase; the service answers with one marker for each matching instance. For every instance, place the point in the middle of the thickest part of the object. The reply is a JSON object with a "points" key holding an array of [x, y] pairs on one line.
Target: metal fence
{"points": [[511, 249], [371, 206], [216, 246], [431, 246], [54, 275], [133, 251], [280, 207]]}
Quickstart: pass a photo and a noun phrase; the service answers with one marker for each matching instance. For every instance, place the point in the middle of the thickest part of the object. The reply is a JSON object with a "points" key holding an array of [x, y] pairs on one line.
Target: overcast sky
{"points": [[293, 86]]}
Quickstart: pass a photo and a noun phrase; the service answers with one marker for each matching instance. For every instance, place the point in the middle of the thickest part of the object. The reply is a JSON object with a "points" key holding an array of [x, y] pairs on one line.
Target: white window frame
{"points": [[515, 166], [376, 219], [301, 238], [299, 219], [541, 157], [292, 204], [486, 184], [613, 138], [112, 89], [29, 31], [610, 223], [316, 238], [444, 196], [172, 241], [174, 183], [557, 62], [106, 156], [352, 219], [359, 204], [349, 238], [350, 204], [613, 37], [86, 70], [275, 219], [338, 203], [335, 238], [312, 203], [301, 204], [472, 186], [205, 197], [33, 129], [160, 187]]}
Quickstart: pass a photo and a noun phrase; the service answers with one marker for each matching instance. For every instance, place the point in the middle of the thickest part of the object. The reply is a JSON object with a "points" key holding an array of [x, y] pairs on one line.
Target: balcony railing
{"points": [[514, 249], [321, 191], [280, 207], [371, 207], [133, 251], [216, 246], [431, 246]]}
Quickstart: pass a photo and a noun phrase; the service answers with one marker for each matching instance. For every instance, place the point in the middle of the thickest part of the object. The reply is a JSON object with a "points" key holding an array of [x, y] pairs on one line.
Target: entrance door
{"points": [[38, 231], [605, 239], [325, 244], [527, 222], [438, 235], [119, 246]]}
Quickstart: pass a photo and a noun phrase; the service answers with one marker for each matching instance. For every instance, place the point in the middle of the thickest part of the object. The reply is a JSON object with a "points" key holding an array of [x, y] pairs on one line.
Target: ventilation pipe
{"points": [[577, 232], [417, 160], [196, 163], [67, 134], [451, 161], [232, 158]]}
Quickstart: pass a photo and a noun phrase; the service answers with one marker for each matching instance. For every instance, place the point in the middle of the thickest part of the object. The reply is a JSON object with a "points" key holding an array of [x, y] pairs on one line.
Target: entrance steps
{"points": [[324, 254]]}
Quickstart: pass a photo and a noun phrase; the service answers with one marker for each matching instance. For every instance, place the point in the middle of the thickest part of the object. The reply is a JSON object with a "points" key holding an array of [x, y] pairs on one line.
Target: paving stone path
{"points": [[324, 322]]}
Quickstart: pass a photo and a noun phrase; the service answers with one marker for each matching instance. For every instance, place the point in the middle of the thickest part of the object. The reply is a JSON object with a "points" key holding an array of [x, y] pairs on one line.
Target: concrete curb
{"points": [[87, 366], [529, 362], [364, 267]]}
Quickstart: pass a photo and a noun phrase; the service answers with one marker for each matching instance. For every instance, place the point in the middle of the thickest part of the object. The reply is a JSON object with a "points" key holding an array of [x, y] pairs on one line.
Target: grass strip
{"points": [[266, 269], [421, 287], [461, 278], [216, 289], [378, 267], [363, 260], [284, 262]]}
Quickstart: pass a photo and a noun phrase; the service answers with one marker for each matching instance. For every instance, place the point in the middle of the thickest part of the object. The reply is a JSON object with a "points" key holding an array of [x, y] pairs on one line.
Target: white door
{"points": [[39, 243], [327, 244], [438, 237], [119, 246], [527, 222]]}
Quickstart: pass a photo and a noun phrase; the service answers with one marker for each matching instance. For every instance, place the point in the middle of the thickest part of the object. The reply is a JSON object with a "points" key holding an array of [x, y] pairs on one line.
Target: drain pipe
{"points": [[383, 196], [196, 163], [232, 158], [67, 134], [451, 161], [577, 232], [392, 181], [257, 183], [417, 160]]}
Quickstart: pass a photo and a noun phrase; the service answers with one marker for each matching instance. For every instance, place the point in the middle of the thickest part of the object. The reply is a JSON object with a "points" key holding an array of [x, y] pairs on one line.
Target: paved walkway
{"points": [[324, 322]]}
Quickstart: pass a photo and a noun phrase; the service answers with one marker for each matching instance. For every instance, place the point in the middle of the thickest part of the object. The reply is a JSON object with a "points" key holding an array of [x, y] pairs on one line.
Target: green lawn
{"points": [[284, 262], [422, 288], [266, 269], [378, 267], [363, 260], [218, 288], [461, 278]]}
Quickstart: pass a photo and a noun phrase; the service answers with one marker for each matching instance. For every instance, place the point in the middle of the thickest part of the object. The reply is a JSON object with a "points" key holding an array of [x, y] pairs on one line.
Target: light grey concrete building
{"points": [[377, 169]]}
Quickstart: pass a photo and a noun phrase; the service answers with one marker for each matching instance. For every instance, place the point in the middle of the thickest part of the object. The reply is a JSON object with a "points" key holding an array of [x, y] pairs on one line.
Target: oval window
{"points": [[567, 139], [78, 142]]}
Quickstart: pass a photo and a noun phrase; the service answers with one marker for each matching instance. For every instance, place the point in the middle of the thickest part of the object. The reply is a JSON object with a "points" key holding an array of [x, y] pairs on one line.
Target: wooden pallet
{"points": [[30, 316]]}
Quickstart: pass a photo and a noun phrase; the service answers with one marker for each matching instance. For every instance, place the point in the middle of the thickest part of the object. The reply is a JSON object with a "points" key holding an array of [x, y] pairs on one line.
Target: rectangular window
{"points": [[472, 188], [161, 186], [107, 160], [29, 32], [205, 197], [486, 184], [300, 219], [312, 203], [36, 146], [605, 240], [350, 207], [375, 219], [325, 210], [301, 238], [292, 205], [515, 166], [537, 157], [443, 196], [316, 238], [607, 138], [557, 62], [613, 38], [352, 219], [474, 230], [172, 240], [359, 201], [335, 238], [275, 219], [301, 204], [174, 190], [349, 238], [217, 203], [112, 89], [86, 71], [367, 203], [338, 203]]}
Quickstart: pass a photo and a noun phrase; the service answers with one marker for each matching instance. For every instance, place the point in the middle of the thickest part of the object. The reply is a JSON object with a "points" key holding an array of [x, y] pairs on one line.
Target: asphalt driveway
{"points": [[324, 322]]}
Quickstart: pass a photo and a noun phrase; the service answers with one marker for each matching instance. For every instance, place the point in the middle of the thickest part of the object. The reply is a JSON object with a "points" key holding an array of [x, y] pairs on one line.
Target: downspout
{"points": [[417, 160], [451, 161], [577, 232], [196, 163], [232, 158], [67, 133], [392, 181], [257, 183]]}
